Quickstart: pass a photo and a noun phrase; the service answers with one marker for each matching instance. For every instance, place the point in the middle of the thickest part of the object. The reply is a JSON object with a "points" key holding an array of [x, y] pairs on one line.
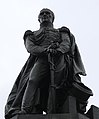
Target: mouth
{"points": [[45, 18]]}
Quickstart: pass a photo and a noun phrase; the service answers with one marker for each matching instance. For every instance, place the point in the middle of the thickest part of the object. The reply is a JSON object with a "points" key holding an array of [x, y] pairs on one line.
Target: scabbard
{"points": [[52, 86]]}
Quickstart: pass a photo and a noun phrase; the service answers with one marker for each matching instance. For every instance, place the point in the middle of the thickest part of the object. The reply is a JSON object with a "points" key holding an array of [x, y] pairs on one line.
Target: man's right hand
{"points": [[54, 45], [52, 51]]}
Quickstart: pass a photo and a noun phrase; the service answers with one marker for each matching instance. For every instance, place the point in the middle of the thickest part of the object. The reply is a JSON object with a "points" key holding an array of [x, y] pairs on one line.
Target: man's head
{"points": [[46, 15]]}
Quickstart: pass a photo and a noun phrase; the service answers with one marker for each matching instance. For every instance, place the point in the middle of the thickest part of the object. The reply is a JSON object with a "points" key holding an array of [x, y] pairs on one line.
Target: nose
{"points": [[44, 13]]}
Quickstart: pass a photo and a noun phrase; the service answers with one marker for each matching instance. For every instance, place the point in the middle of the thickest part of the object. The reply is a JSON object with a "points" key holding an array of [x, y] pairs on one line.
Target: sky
{"points": [[17, 16]]}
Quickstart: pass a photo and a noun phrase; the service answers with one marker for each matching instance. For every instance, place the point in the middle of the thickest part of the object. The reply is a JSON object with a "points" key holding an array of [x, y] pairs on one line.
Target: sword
{"points": [[53, 88]]}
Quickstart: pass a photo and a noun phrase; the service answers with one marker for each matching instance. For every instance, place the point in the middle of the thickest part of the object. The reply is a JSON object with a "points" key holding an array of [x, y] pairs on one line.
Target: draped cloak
{"points": [[75, 65]]}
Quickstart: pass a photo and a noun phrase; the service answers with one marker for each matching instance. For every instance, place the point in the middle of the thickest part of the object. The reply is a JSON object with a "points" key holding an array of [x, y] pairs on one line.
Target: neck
{"points": [[46, 24]]}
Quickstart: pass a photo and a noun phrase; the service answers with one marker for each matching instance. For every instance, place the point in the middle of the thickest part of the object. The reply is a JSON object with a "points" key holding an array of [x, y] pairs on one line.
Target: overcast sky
{"points": [[17, 16]]}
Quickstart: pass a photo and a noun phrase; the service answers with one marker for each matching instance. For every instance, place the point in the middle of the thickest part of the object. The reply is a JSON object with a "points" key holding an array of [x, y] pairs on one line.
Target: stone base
{"points": [[93, 112], [51, 116]]}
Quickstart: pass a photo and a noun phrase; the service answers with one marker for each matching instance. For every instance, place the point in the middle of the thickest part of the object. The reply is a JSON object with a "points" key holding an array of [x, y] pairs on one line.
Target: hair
{"points": [[46, 9]]}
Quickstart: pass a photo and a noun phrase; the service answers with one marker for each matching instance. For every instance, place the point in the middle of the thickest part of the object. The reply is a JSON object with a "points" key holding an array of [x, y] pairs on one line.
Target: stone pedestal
{"points": [[93, 112], [51, 116], [69, 105], [71, 109]]}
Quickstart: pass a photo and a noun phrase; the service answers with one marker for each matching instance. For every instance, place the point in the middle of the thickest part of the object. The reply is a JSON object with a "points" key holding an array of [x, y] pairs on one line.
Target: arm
{"points": [[64, 46], [32, 48]]}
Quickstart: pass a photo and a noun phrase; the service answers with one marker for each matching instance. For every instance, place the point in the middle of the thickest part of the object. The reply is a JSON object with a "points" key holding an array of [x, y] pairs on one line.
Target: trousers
{"points": [[39, 72]]}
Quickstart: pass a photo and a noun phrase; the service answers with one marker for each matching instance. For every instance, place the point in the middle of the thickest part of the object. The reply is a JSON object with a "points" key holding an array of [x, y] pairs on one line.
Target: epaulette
{"points": [[64, 29], [27, 33]]}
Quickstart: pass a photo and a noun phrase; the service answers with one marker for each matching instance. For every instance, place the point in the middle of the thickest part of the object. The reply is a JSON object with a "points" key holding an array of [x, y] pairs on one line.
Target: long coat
{"points": [[75, 68]]}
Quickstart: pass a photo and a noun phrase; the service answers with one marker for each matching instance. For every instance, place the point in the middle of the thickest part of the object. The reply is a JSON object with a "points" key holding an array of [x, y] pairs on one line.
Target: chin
{"points": [[45, 21]]}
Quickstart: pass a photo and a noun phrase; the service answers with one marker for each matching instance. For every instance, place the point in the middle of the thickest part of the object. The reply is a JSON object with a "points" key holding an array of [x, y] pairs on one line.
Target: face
{"points": [[45, 16]]}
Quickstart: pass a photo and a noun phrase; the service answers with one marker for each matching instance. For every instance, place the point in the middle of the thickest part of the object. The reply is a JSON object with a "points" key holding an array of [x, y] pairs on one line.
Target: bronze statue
{"points": [[53, 67]]}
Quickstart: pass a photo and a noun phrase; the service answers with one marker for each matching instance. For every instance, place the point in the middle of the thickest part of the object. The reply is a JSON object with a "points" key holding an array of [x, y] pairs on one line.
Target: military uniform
{"points": [[36, 44]]}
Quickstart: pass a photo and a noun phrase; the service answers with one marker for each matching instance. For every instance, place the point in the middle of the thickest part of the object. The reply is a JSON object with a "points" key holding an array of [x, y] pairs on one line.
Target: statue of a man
{"points": [[54, 63]]}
